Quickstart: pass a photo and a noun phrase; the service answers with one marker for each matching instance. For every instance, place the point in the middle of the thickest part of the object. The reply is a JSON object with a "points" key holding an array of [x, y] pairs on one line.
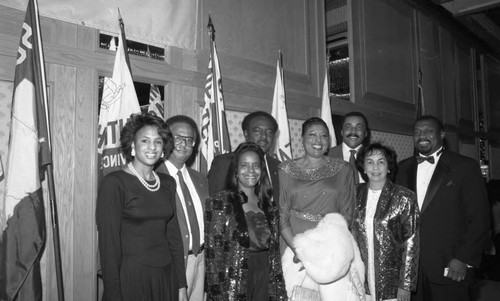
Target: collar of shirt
{"points": [[346, 151], [172, 170], [437, 154]]}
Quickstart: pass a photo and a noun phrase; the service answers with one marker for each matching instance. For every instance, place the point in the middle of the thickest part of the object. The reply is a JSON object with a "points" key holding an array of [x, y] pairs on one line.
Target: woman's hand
{"points": [[403, 295], [183, 295]]}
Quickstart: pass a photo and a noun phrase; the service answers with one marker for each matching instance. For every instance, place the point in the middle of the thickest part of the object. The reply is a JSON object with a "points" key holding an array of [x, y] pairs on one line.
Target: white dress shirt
{"points": [[346, 153], [425, 170], [172, 170], [371, 208]]}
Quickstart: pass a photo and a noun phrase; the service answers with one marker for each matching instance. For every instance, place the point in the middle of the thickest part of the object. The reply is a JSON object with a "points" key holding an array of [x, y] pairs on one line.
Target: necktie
{"points": [[429, 159], [191, 212], [352, 161]]}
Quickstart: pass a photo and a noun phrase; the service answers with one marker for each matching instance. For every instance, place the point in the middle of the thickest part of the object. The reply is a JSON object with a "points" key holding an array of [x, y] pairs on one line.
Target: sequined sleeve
{"points": [[410, 220], [215, 219]]}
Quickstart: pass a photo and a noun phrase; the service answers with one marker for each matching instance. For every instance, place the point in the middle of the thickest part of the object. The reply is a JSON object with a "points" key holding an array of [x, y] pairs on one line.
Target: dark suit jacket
{"points": [[201, 185], [220, 166], [454, 215], [336, 152]]}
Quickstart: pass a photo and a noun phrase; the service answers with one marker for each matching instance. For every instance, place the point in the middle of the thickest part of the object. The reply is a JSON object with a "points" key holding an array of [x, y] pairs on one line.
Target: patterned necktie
{"points": [[352, 161], [191, 212], [429, 159]]}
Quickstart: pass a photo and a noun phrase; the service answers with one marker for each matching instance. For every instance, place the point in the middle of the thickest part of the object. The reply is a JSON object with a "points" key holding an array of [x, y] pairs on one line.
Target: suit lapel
{"points": [[201, 189], [178, 205], [436, 180], [412, 176], [384, 200], [272, 164]]}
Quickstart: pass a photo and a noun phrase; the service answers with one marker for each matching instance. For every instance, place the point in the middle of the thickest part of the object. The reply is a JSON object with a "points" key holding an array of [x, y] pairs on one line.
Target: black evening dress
{"points": [[139, 239], [258, 259]]}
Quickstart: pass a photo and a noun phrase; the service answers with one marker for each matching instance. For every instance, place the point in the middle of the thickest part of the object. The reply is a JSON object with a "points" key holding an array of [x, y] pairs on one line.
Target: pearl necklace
{"points": [[150, 187]]}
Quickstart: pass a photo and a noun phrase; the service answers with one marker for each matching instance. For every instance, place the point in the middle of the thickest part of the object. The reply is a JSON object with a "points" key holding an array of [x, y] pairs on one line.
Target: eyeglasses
{"points": [[189, 141], [260, 132]]}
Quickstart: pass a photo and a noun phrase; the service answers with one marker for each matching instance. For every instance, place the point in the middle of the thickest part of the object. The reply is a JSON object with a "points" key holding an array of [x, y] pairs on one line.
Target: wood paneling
{"points": [[448, 77], [430, 58], [384, 57], [85, 184], [62, 116], [465, 81], [492, 92]]}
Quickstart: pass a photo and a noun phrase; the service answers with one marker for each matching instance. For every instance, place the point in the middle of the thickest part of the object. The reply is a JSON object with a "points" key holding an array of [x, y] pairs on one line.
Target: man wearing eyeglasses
{"points": [[192, 191], [258, 127]]}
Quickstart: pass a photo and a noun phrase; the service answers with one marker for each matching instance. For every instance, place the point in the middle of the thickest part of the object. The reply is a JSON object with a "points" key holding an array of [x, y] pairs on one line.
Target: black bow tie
{"points": [[429, 159]]}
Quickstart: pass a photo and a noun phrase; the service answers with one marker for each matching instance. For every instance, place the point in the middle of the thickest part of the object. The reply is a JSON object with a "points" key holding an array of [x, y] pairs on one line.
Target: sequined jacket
{"points": [[396, 238], [226, 244]]}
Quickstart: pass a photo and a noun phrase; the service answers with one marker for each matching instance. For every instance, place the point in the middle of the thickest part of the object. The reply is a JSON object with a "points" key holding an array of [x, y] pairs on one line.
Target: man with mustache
{"points": [[354, 133], [258, 127], [454, 213]]}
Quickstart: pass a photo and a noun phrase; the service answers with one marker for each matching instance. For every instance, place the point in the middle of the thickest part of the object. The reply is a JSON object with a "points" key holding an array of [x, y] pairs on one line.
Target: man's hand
{"points": [[403, 295], [456, 270]]}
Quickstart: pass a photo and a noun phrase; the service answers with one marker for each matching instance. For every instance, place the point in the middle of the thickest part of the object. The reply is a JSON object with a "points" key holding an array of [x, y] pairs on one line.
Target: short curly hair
{"points": [[313, 121], [245, 124], [137, 122], [389, 154]]}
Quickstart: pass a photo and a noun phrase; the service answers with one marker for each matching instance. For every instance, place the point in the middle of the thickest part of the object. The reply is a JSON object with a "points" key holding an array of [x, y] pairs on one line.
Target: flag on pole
{"points": [[23, 235], [326, 111], [1, 169], [214, 132], [282, 146], [119, 100], [155, 103]]}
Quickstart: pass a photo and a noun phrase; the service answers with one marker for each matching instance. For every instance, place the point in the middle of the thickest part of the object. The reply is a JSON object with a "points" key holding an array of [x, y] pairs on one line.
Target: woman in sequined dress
{"points": [[314, 185], [242, 234], [385, 225], [140, 242]]}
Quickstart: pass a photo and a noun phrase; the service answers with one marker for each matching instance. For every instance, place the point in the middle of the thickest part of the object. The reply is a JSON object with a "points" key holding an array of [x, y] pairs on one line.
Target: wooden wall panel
{"points": [[385, 56], [430, 58], [62, 116], [448, 77], [256, 30], [465, 84], [492, 89], [85, 180]]}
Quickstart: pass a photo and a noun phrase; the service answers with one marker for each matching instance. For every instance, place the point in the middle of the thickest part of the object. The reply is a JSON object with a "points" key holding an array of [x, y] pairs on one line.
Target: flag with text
{"points": [[214, 132], [119, 101], [22, 213]]}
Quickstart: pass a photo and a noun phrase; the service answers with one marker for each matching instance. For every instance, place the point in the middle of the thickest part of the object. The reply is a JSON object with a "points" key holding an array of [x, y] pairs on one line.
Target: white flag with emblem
{"points": [[282, 146]]}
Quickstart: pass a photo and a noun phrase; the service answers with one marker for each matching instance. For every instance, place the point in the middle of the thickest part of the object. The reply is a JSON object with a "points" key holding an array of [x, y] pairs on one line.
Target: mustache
{"points": [[262, 141]]}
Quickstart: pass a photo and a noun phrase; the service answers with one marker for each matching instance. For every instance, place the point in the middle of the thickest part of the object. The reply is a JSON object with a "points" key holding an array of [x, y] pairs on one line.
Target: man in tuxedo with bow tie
{"points": [[454, 216]]}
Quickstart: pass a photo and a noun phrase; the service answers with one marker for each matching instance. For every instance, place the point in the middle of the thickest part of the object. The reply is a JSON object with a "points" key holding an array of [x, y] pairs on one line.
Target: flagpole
{"points": [[50, 174], [124, 41], [211, 34]]}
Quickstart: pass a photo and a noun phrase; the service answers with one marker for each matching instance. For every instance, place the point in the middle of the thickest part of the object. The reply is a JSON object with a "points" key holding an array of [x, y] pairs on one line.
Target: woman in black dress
{"points": [[241, 234], [139, 238]]}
